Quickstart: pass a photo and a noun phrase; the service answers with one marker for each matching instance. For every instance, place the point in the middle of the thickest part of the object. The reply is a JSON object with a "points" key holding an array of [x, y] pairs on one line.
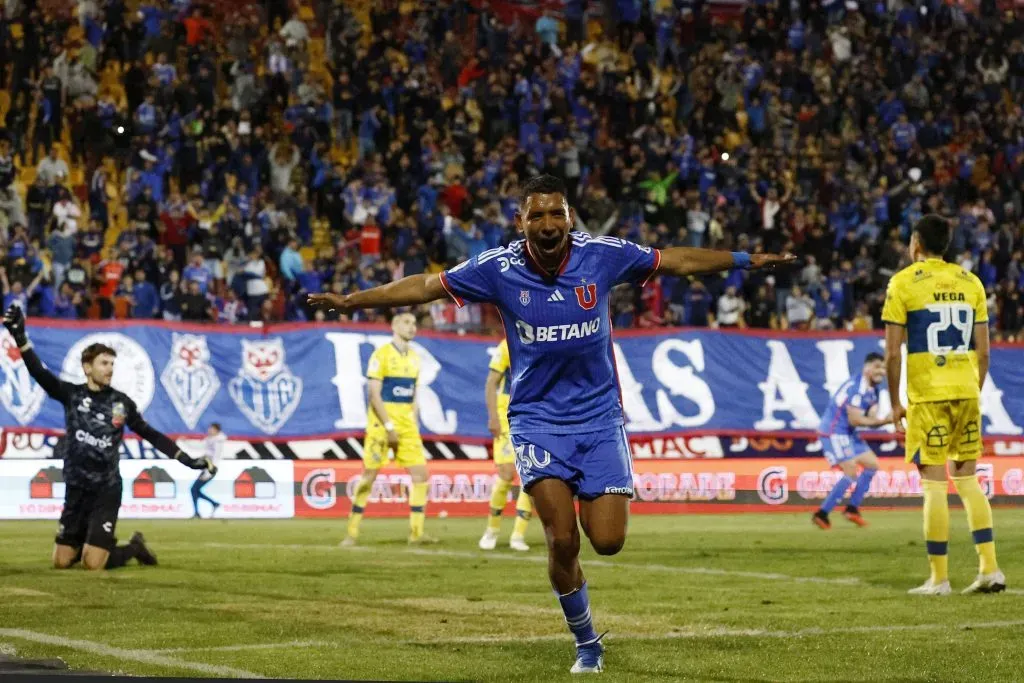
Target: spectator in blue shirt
{"points": [[291, 261], [197, 272], [145, 297]]}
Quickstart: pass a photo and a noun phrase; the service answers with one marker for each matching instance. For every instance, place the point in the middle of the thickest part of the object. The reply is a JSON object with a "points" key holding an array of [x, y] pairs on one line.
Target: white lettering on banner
{"points": [[351, 386], [685, 486], [784, 391], [837, 363], [682, 381], [992, 407], [441, 488], [772, 487], [638, 415], [432, 414], [1008, 447]]}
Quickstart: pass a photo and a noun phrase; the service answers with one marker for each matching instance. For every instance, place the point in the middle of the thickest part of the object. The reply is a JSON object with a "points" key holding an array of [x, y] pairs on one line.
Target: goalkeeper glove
{"points": [[14, 321], [203, 463]]}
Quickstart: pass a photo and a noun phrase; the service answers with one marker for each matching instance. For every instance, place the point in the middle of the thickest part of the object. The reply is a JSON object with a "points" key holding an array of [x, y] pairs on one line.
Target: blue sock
{"points": [[838, 491], [576, 607], [863, 485]]}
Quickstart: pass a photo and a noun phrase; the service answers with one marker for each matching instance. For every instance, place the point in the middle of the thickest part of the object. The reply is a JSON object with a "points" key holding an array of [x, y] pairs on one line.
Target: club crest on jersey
{"points": [[586, 296], [524, 297], [20, 395], [189, 379], [118, 413], [265, 389]]}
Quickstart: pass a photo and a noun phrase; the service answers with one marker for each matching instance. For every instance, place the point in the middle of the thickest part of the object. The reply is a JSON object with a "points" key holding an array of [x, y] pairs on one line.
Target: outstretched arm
{"points": [[683, 261], [164, 443], [409, 291], [14, 321]]}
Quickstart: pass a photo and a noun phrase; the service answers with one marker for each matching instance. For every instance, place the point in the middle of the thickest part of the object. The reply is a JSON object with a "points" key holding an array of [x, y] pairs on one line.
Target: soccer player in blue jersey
{"points": [[565, 414], [850, 408]]}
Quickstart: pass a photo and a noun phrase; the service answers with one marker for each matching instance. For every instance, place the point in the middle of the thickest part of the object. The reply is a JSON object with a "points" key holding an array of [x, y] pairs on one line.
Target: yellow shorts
{"points": [[408, 454], [504, 454], [938, 431]]}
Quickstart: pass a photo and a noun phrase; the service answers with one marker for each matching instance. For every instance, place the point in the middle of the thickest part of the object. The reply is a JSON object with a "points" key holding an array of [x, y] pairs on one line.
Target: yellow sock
{"points": [[417, 508], [524, 510], [355, 517], [499, 494], [979, 518], [936, 527]]}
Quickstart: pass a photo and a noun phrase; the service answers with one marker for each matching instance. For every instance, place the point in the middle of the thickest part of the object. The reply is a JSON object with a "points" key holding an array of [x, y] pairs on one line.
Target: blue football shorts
{"points": [[842, 447], [591, 463]]}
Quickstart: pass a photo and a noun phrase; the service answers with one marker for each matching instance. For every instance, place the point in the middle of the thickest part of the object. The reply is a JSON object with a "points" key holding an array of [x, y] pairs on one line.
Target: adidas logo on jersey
{"points": [[556, 296]]}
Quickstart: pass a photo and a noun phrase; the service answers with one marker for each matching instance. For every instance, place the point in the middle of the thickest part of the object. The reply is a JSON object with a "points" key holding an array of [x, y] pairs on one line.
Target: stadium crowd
{"points": [[217, 160]]}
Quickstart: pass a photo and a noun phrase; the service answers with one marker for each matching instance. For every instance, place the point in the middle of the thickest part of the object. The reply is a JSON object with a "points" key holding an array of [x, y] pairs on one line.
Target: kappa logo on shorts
{"points": [[189, 379], [20, 395], [265, 389]]}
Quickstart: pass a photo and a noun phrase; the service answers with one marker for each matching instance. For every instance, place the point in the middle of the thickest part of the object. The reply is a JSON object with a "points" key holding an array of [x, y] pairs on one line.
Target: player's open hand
{"points": [[899, 414], [330, 302], [770, 260], [14, 321]]}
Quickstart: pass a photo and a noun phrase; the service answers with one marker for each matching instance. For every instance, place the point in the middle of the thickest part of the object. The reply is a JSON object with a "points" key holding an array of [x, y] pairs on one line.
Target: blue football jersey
{"points": [[856, 392], [558, 327]]}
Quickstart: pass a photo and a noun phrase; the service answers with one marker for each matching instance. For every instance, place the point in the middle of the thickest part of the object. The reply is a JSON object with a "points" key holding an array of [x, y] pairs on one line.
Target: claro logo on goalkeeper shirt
{"points": [[529, 334]]}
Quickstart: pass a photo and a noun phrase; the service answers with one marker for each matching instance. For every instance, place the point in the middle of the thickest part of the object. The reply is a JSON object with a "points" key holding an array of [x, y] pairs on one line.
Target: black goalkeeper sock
{"points": [[120, 555]]}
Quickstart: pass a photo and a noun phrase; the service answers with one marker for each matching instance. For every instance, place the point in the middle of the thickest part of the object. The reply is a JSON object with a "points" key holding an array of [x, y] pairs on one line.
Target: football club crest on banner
{"points": [[265, 390], [524, 296], [189, 379], [19, 393], [133, 369]]}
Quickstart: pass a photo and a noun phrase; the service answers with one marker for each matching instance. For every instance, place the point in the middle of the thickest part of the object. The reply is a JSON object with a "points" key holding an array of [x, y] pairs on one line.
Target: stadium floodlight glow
{"points": [[725, 156], [120, 130]]}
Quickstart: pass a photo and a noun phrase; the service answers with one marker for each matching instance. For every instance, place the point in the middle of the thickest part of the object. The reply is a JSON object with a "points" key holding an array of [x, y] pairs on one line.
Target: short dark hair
{"points": [[216, 425], [935, 234], [872, 357], [92, 351], [541, 184]]}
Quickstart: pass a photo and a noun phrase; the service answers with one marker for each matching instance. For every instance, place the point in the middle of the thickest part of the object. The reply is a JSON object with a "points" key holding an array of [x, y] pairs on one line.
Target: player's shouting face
{"points": [[546, 219], [100, 370]]}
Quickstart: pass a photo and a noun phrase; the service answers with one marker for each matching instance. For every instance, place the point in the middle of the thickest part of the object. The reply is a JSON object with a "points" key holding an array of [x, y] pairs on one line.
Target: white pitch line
{"points": [[710, 571], [537, 559], [144, 656], [235, 648], [725, 633]]}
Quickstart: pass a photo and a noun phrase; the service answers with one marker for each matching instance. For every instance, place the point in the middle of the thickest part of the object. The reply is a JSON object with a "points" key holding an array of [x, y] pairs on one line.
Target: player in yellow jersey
{"points": [[504, 457], [392, 427], [939, 310]]}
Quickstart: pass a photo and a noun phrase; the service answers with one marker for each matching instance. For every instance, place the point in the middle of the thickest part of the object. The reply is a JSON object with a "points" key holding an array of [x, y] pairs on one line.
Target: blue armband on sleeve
{"points": [[740, 259]]}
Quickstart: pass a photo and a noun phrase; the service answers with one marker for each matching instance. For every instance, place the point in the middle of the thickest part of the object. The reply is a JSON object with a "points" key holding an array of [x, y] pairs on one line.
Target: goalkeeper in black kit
{"points": [[95, 416]]}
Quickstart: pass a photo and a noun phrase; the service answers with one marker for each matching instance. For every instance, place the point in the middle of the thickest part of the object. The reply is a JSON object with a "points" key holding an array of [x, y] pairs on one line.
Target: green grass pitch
{"points": [[691, 598]]}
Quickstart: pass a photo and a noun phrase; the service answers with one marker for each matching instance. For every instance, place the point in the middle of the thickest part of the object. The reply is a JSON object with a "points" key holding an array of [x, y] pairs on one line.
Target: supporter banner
{"points": [[755, 485], [34, 489], [307, 381]]}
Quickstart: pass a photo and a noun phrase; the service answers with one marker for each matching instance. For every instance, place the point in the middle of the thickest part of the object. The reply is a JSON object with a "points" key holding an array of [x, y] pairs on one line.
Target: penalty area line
{"points": [[236, 648], [538, 559], [126, 654], [712, 632]]}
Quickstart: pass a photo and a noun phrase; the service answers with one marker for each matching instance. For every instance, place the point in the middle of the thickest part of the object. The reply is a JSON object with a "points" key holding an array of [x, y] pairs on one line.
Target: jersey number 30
{"points": [[941, 339]]}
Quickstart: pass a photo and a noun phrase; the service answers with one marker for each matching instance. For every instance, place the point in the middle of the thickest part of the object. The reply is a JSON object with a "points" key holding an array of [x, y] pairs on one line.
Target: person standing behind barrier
{"points": [[213, 446]]}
